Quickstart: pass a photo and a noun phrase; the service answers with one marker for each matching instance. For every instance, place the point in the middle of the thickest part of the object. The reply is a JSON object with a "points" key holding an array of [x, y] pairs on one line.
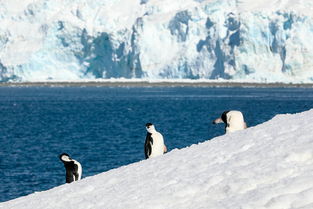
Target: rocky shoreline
{"points": [[155, 84]]}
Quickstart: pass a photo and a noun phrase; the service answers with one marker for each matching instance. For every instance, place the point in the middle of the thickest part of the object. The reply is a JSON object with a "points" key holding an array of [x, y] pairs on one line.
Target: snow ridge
{"points": [[267, 166]]}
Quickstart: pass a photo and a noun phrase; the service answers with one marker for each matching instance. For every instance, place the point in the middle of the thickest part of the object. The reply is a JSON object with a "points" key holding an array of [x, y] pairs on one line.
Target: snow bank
{"points": [[267, 166], [257, 41]]}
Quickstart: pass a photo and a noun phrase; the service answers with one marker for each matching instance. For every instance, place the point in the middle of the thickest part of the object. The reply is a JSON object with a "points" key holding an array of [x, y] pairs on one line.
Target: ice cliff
{"points": [[241, 40]]}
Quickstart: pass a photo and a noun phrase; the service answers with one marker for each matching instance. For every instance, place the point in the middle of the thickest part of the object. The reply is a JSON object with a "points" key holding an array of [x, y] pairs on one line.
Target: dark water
{"points": [[104, 128]]}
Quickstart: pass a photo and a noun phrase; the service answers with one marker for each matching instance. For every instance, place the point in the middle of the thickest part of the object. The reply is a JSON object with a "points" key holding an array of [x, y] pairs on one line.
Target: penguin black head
{"points": [[223, 118], [150, 128], [148, 125], [65, 157], [233, 120]]}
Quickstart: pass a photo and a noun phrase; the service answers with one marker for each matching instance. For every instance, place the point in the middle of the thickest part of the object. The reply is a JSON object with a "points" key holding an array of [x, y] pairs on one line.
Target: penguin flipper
{"points": [[75, 172], [148, 147]]}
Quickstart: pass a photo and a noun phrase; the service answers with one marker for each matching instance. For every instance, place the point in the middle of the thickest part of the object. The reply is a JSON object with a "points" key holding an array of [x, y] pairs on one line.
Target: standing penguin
{"points": [[154, 144], [233, 120], [72, 167]]}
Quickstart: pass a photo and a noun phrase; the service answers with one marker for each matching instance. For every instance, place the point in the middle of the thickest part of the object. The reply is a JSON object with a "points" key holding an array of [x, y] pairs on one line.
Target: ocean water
{"points": [[104, 128]]}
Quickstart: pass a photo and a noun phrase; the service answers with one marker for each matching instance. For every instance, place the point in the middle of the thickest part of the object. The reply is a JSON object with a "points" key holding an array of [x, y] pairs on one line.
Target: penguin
{"points": [[73, 168], [233, 120], [154, 144]]}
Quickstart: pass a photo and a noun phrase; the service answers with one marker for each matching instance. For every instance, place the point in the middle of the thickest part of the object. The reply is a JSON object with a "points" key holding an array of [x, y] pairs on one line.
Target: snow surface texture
{"points": [[267, 166], [259, 40]]}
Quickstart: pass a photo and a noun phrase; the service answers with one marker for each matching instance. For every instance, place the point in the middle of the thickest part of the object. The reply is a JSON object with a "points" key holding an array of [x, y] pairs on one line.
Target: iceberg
{"points": [[260, 41]]}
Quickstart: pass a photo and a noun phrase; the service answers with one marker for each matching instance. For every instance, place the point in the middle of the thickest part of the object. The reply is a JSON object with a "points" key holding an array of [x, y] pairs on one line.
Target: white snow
{"points": [[262, 167], [257, 41]]}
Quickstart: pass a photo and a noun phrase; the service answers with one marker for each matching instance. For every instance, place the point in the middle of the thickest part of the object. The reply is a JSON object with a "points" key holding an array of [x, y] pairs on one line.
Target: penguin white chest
{"points": [[79, 169], [235, 121], [158, 145]]}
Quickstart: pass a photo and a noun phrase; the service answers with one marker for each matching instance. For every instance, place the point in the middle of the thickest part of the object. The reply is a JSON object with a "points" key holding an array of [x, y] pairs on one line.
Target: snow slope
{"points": [[267, 166], [259, 40]]}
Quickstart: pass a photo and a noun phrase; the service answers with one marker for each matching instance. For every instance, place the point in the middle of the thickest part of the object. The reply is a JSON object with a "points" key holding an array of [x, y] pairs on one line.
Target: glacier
{"points": [[238, 40]]}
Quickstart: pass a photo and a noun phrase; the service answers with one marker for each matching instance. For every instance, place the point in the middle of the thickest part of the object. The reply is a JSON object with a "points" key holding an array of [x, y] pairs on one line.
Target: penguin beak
{"points": [[217, 120]]}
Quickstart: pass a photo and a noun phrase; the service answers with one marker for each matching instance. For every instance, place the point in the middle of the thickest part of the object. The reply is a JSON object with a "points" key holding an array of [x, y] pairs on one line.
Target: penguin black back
{"points": [[72, 170], [148, 142], [148, 145], [224, 116]]}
